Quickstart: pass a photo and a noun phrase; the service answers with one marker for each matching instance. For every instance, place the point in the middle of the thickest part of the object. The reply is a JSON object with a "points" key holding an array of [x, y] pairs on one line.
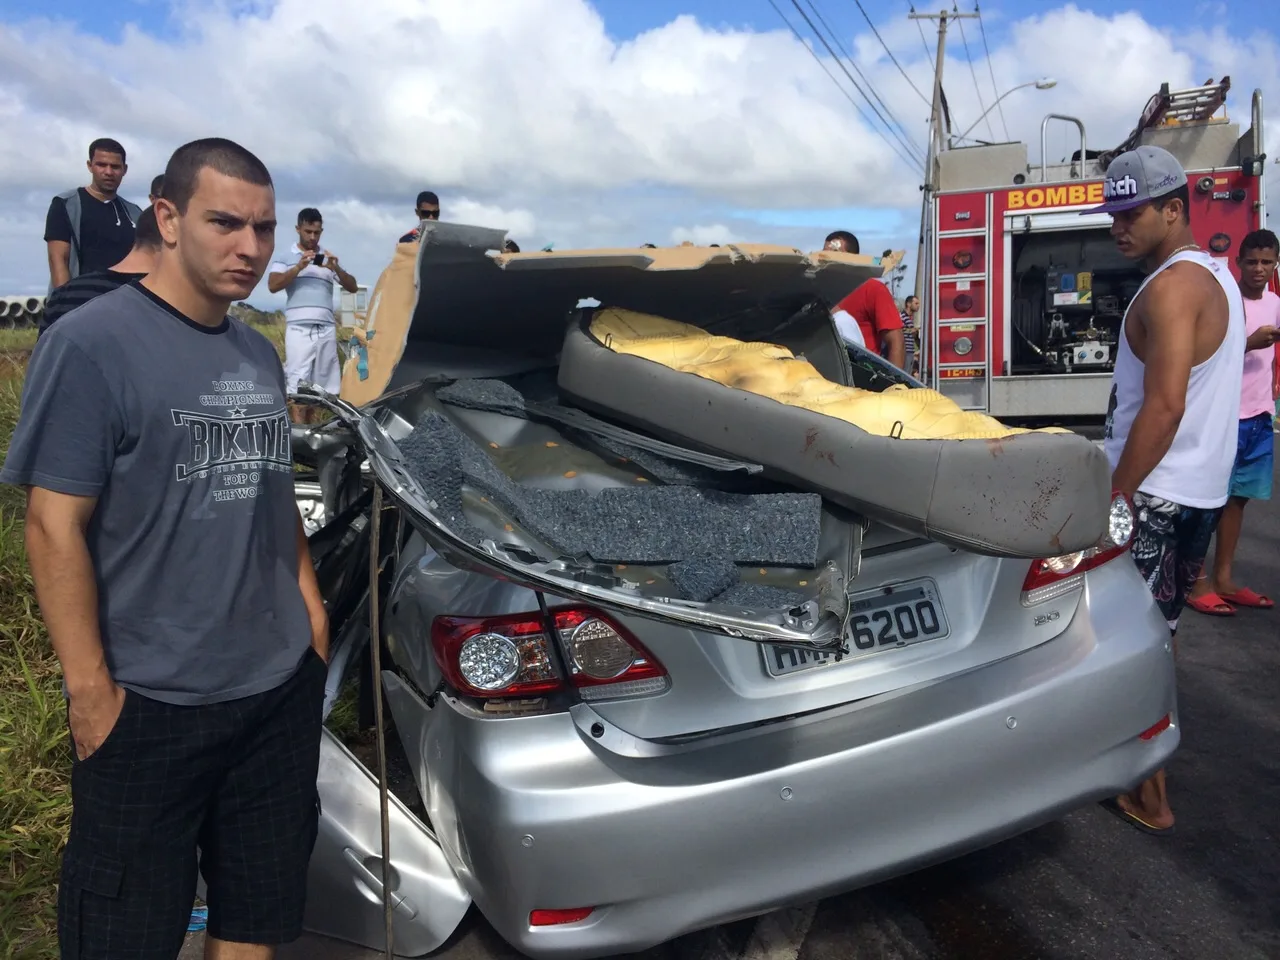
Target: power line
{"points": [[849, 56], [923, 42], [892, 58], [911, 161], [994, 92], [973, 72], [839, 63]]}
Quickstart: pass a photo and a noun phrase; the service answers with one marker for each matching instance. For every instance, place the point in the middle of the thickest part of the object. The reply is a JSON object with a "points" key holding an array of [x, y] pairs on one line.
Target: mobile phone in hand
{"points": [[318, 261]]}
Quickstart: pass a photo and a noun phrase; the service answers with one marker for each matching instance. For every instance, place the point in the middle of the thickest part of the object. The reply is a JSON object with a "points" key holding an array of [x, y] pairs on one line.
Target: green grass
{"points": [[35, 757]]}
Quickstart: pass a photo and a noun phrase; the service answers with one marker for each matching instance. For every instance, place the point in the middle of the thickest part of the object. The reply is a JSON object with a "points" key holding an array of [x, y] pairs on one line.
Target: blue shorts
{"points": [[1255, 453]]}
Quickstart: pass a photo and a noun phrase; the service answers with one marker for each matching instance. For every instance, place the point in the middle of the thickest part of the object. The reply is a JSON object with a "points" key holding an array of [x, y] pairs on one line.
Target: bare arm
{"points": [[1170, 311], [311, 595], [278, 281], [59, 261], [1262, 339], [895, 347], [67, 591], [345, 280]]}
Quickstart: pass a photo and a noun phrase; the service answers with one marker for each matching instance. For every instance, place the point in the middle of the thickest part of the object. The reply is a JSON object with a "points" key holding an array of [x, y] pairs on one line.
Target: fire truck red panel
{"points": [[1221, 212], [962, 299], [962, 211], [962, 255], [963, 343]]}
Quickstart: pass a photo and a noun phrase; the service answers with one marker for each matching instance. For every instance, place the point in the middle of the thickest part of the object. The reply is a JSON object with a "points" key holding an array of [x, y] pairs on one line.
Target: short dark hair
{"points": [[1259, 240], [107, 145], [426, 196], [224, 156], [309, 215], [1183, 193], [157, 184], [849, 239], [910, 297], [146, 234]]}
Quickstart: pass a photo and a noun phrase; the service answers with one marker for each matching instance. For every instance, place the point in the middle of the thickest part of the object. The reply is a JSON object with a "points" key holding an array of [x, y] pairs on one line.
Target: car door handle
{"points": [[374, 883]]}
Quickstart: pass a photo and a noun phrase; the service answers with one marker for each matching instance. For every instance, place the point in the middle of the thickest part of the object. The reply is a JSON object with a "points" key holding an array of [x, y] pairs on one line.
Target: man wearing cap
{"points": [[1170, 434]]}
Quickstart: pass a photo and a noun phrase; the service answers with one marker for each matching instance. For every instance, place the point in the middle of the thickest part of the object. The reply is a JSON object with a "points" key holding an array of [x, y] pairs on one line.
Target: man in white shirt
{"points": [[307, 275], [1170, 434]]}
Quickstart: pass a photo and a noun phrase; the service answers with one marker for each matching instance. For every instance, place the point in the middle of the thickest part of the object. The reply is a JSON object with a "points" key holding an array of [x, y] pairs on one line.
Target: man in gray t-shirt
{"points": [[173, 574]]}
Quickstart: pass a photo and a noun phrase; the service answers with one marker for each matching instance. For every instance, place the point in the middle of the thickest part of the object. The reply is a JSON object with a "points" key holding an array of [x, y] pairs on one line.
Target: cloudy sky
{"points": [[576, 122]]}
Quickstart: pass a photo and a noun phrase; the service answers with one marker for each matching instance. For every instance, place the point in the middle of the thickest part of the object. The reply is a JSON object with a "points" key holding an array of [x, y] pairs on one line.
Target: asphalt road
{"points": [[1088, 887]]}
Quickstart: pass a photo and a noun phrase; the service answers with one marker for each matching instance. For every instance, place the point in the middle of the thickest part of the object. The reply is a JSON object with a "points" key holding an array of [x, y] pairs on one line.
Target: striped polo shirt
{"points": [[79, 291], [310, 296]]}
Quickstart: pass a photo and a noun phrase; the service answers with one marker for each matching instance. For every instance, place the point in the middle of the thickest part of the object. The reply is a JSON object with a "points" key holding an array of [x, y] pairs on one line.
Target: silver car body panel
{"points": [[540, 813], [735, 791], [344, 882]]}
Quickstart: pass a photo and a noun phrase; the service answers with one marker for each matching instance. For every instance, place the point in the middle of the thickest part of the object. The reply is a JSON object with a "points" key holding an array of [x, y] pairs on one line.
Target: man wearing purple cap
{"points": [[1171, 420]]}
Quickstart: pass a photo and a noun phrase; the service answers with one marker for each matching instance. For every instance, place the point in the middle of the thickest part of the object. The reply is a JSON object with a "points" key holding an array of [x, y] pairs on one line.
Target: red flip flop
{"points": [[1211, 605], [1248, 598]]}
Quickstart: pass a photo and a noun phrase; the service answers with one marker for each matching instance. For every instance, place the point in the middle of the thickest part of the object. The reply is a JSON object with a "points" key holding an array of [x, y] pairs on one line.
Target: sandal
{"points": [[1244, 597], [1111, 806], [1211, 605]]}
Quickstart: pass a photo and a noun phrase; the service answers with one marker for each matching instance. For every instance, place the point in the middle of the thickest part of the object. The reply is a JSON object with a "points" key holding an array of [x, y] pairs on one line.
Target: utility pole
{"points": [[935, 141]]}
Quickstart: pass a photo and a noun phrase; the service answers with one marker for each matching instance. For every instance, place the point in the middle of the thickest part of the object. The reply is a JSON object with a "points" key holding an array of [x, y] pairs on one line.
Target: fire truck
{"points": [[1024, 294]]}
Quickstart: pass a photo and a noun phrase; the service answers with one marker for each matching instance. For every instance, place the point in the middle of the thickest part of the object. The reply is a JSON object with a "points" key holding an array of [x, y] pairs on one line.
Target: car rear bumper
{"points": [[535, 814]]}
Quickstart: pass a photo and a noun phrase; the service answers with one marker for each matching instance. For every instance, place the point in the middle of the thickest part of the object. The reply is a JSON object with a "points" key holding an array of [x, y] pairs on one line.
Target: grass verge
{"points": [[35, 758]]}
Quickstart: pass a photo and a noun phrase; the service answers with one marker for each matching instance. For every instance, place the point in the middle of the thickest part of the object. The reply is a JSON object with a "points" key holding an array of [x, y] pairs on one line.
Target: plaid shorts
{"points": [[237, 780], [1169, 547]]}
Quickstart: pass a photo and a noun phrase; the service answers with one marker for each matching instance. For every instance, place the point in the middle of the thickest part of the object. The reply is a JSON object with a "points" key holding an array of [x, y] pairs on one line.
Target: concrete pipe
{"points": [[32, 310]]}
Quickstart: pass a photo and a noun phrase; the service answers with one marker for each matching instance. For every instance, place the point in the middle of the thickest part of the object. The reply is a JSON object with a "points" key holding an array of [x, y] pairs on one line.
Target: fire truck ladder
{"points": [[1173, 107]]}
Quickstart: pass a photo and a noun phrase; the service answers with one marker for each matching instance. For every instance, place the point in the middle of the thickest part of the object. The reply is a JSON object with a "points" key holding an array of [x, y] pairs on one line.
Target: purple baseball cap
{"points": [[1139, 176]]}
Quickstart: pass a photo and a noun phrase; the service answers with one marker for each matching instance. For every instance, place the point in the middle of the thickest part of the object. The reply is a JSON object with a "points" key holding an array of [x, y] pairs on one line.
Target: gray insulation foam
{"points": [[490, 395], [761, 596], [643, 525], [702, 579]]}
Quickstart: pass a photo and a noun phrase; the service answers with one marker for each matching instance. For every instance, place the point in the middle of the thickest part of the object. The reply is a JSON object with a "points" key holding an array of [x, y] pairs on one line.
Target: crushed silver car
{"points": [[669, 645]]}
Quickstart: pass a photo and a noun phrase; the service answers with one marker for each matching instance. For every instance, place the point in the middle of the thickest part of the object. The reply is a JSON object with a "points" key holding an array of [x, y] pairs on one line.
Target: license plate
{"points": [[881, 619]]}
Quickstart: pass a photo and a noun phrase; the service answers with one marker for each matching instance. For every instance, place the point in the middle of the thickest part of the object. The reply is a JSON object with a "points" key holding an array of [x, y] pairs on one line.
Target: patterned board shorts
{"points": [[1169, 547]]}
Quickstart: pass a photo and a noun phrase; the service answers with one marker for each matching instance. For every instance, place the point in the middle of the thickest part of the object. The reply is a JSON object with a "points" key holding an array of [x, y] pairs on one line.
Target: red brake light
{"points": [[511, 656], [1051, 577]]}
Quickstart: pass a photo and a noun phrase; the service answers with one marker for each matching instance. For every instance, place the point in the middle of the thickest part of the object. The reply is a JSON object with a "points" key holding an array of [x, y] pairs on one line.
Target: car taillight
{"points": [[511, 656], [1054, 576], [604, 660]]}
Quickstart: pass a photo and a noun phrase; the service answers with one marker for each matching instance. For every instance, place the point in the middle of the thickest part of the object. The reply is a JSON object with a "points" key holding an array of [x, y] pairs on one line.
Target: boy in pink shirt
{"points": [[1217, 595]]}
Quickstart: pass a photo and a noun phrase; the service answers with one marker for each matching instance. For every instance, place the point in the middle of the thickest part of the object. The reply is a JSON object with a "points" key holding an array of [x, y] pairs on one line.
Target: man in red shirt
{"points": [[873, 307]]}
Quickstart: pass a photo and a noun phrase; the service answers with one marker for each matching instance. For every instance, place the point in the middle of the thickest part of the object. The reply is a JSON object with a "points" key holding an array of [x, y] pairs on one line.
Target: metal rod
{"points": [[375, 651], [929, 315], [1044, 144]]}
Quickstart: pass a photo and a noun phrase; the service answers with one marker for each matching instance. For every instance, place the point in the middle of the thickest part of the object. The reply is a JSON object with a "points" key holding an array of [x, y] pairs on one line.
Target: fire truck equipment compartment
{"points": [[908, 457]]}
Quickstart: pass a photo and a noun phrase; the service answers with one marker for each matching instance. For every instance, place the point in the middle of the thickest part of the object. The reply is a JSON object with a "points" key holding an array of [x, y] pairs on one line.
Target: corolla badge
{"points": [[1042, 618]]}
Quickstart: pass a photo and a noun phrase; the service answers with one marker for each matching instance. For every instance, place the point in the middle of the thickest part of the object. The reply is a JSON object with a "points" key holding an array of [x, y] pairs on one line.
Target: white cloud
{"points": [[704, 235], [529, 116]]}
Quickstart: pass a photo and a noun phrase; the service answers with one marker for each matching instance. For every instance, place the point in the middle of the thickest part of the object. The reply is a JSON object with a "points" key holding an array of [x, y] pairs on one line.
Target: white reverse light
{"points": [[488, 661]]}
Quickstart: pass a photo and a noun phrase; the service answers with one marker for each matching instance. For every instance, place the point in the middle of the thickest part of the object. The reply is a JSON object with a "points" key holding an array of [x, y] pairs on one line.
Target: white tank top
{"points": [[1196, 471]]}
